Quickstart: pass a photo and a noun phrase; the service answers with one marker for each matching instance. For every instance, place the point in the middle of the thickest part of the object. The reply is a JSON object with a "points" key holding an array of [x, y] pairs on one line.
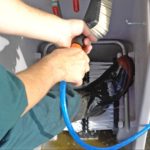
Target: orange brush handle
{"points": [[78, 42], [75, 45]]}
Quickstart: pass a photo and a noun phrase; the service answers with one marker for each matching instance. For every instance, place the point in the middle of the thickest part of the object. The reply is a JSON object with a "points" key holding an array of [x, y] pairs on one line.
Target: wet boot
{"points": [[109, 87]]}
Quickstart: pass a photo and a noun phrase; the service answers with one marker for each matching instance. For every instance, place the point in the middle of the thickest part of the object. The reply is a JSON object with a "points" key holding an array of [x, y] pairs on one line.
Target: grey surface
{"points": [[17, 53]]}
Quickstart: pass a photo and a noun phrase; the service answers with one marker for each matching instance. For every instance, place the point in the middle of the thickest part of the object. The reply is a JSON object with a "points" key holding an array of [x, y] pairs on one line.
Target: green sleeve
{"points": [[13, 100]]}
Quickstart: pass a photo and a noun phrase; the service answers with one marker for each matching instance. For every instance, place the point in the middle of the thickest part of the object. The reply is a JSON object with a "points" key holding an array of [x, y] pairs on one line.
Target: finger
{"points": [[88, 33], [78, 83], [86, 61], [87, 69], [87, 49], [87, 42], [87, 46]]}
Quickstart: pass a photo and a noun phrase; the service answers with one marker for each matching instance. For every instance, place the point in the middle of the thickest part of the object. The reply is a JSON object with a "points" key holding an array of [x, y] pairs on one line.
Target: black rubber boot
{"points": [[109, 87]]}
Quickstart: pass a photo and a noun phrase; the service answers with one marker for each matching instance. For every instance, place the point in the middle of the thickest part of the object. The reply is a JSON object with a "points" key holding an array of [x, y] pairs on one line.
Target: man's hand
{"points": [[34, 23], [69, 64], [70, 29]]}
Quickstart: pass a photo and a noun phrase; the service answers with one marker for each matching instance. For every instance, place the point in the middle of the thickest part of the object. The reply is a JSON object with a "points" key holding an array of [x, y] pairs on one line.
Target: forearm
{"points": [[17, 18], [38, 79], [65, 64]]}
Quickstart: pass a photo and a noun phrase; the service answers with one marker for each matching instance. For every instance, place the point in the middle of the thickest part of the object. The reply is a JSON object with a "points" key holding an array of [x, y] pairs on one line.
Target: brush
{"points": [[97, 18]]}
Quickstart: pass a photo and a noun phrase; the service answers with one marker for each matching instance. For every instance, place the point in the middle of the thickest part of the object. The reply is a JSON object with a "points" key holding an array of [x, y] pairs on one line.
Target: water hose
{"points": [[75, 136]]}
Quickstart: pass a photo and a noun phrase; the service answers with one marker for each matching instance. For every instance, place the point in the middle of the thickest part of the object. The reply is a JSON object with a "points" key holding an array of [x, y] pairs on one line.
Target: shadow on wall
{"points": [[8, 51], [17, 53]]}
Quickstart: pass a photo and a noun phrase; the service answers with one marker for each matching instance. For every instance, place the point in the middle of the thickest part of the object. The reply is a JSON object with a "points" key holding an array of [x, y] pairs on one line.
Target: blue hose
{"points": [[77, 138]]}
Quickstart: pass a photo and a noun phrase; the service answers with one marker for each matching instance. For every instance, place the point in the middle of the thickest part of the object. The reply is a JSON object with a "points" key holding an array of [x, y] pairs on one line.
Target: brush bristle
{"points": [[102, 27]]}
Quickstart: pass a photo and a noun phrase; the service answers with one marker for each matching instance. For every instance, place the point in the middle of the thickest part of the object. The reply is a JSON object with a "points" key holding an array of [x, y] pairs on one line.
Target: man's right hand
{"points": [[69, 64]]}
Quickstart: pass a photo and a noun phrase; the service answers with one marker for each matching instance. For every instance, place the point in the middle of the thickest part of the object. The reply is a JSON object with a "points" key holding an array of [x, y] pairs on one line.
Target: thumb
{"points": [[78, 83]]}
